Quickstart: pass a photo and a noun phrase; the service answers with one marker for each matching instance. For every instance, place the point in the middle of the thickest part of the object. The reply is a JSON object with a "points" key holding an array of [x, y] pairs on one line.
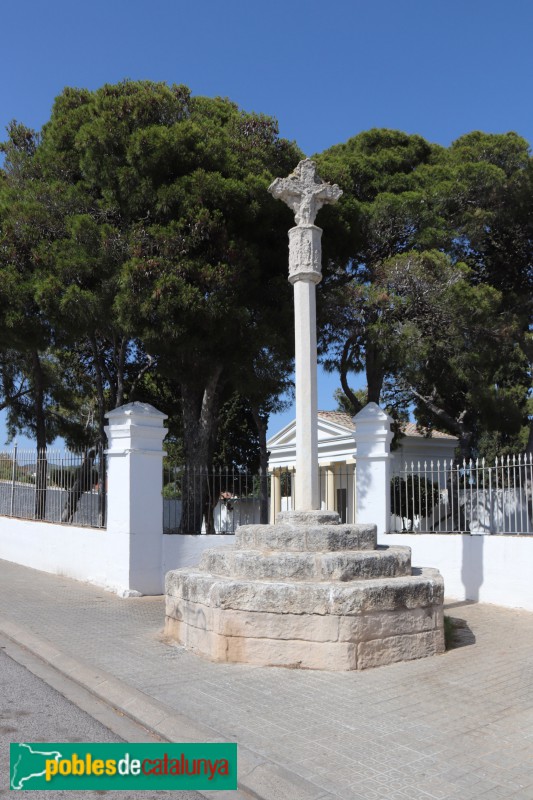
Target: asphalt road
{"points": [[32, 711]]}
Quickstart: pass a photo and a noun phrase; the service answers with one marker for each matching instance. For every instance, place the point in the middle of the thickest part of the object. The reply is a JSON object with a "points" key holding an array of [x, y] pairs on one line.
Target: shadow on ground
{"points": [[461, 635]]}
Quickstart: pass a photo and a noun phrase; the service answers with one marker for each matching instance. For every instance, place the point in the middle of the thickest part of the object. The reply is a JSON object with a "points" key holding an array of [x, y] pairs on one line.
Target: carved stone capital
{"points": [[305, 254]]}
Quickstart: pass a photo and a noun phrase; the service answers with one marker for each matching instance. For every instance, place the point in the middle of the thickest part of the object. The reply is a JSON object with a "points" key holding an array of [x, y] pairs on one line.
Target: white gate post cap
{"points": [[140, 423], [137, 411], [373, 433]]}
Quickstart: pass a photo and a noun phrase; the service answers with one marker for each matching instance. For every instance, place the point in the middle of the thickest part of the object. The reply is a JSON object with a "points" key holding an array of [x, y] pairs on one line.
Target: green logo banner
{"points": [[63, 766]]}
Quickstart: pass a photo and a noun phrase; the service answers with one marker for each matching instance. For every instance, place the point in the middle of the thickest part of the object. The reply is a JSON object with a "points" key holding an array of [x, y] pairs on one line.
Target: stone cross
{"points": [[305, 193]]}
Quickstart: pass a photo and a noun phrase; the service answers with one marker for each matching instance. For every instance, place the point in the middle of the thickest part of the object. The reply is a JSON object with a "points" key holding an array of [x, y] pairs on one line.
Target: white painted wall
{"points": [[92, 555], [86, 554], [490, 569]]}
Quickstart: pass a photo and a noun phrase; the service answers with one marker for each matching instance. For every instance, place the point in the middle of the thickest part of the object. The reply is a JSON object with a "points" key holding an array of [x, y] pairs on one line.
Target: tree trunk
{"points": [[121, 361], [375, 371], [200, 408], [100, 396], [41, 486], [83, 482], [451, 424], [529, 445], [102, 439], [465, 444], [261, 422], [343, 372]]}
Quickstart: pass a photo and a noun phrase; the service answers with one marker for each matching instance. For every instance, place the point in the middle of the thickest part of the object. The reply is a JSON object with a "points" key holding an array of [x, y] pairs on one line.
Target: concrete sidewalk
{"points": [[455, 726]]}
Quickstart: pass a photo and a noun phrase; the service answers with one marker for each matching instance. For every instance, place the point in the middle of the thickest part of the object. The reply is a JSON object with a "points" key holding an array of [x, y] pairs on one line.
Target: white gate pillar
{"points": [[373, 438], [134, 499]]}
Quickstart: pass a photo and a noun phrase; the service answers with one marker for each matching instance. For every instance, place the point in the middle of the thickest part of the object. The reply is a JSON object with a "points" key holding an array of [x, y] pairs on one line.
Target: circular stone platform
{"points": [[309, 593]]}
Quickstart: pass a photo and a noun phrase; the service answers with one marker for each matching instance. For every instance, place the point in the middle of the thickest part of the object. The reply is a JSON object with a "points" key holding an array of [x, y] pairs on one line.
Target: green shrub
{"points": [[413, 496], [171, 492]]}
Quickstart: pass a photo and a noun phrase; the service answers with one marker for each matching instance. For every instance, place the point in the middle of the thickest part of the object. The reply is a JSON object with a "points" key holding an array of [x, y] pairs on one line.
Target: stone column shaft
{"points": [[275, 496], [330, 488], [307, 496], [305, 193]]}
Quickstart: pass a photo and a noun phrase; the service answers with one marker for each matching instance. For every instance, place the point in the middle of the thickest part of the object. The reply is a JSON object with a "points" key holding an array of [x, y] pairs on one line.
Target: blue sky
{"points": [[325, 70]]}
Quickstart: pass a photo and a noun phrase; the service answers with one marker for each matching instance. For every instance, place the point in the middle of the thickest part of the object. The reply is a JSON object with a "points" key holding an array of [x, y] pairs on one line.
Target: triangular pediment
{"points": [[286, 435], [326, 430], [335, 441]]}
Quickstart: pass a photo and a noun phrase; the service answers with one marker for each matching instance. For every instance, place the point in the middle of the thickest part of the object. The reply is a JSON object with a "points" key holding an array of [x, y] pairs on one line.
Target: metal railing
{"points": [[466, 497], [200, 501], [197, 500], [54, 486], [336, 490]]}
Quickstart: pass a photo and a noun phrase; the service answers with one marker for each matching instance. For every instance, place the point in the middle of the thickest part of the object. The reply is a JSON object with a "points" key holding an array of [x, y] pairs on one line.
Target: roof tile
{"points": [[408, 428]]}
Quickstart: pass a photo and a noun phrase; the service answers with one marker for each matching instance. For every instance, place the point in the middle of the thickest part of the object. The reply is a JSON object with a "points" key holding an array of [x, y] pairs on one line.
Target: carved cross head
{"points": [[304, 192]]}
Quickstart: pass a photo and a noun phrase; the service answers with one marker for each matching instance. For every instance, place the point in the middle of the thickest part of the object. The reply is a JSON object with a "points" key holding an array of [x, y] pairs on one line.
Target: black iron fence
{"points": [[464, 497], [54, 486], [433, 495], [197, 500], [202, 501]]}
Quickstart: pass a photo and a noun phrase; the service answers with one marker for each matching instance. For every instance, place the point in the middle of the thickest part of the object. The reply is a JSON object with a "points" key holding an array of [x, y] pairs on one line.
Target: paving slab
{"points": [[455, 726]]}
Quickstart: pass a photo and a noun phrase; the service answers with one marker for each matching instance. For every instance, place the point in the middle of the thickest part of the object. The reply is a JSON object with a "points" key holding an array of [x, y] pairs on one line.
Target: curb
{"points": [[258, 778]]}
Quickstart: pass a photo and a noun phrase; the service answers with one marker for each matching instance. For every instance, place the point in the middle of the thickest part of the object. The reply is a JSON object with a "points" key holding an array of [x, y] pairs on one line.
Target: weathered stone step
{"points": [[347, 565], [320, 537], [306, 624], [422, 589], [308, 518]]}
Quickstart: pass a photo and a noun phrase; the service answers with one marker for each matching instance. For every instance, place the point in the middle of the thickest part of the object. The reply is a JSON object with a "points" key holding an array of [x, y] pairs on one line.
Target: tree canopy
{"points": [[430, 284]]}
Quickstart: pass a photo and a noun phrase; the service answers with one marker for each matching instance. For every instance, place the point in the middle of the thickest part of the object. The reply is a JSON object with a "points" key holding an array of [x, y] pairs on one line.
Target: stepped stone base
{"points": [[309, 593]]}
